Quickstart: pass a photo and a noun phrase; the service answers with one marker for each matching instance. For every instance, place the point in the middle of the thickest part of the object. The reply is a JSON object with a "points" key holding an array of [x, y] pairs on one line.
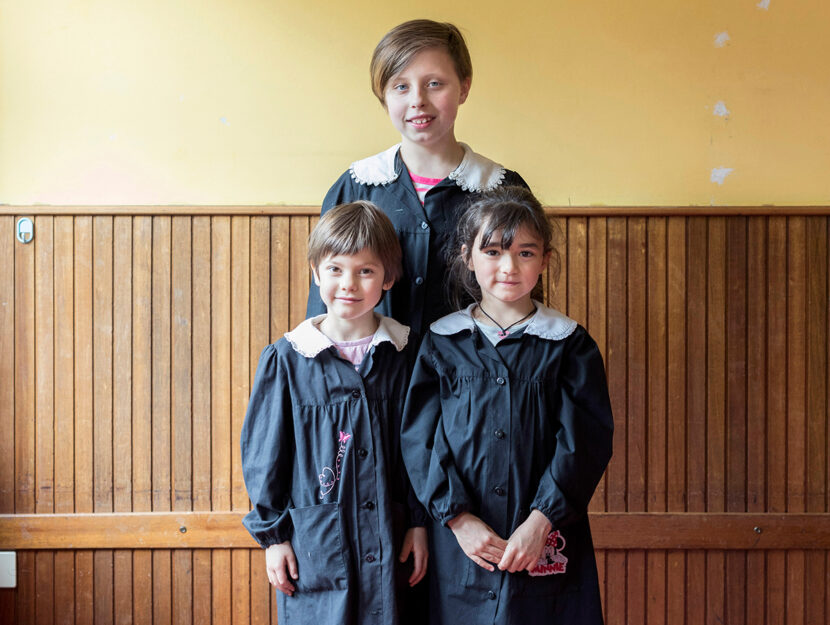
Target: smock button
{"points": [[491, 594], [499, 491], [362, 452], [369, 505], [424, 225], [500, 381], [499, 433], [369, 558], [356, 394], [419, 280]]}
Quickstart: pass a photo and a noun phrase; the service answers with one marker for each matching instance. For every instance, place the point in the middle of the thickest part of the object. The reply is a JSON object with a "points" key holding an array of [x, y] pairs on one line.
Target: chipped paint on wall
{"points": [[721, 39], [719, 174], [763, 4], [720, 109]]}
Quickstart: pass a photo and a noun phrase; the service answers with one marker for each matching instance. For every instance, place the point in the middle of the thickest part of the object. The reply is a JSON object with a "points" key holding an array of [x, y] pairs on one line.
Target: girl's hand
{"points": [[280, 562], [415, 542], [478, 540], [527, 544]]}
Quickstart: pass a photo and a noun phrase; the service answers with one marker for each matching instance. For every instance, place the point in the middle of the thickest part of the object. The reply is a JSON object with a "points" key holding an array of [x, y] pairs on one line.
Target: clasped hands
{"points": [[520, 552]]}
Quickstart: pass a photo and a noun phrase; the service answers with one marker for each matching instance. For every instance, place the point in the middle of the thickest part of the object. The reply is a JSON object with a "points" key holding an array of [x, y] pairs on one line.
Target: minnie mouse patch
{"points": [[552, 561]]}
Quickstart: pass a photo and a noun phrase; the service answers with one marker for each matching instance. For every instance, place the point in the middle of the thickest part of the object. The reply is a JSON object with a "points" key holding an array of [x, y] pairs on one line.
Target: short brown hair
{"points": [[399, 45], [353, 227]]}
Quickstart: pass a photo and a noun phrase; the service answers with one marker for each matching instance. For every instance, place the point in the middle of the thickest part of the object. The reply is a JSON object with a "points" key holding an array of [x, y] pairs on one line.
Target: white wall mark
{"points": [[763, 4], [225, 121], [721, 39], [719, 174], [721, 110]]}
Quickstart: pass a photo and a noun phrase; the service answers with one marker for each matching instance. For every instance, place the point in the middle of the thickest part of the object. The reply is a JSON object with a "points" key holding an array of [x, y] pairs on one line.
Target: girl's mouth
{"points": [[420, 122]]}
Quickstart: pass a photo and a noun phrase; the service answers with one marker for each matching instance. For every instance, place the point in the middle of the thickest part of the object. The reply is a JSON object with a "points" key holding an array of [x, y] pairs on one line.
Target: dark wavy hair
{"points": [[505, 210]]}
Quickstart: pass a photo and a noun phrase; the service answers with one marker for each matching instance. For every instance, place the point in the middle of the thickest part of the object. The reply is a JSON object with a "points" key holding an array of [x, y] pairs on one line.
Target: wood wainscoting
{"points": [[129, 338]]}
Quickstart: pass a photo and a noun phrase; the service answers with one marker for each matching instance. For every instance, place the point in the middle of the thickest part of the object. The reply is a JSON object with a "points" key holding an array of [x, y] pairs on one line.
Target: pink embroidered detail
{"points": [[552, 561], [328, 477]]}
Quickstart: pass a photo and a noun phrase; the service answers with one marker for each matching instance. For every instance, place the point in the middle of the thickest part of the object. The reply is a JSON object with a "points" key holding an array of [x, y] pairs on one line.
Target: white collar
{"points": [[306, 338], [476, 173], [547, 323]]}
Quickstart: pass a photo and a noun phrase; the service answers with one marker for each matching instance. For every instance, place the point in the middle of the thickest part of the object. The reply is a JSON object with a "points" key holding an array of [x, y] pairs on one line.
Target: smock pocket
{"points": [[318, 547]]}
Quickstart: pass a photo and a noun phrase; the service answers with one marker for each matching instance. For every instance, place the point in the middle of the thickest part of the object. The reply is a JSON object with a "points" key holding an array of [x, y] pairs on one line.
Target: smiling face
{"points": [[423, 99], [507, 276], [351, 285]]}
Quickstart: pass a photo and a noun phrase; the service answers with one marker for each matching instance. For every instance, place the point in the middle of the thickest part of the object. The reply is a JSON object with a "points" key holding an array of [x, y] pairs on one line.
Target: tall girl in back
{"points": [[421, 73], [506, 432]]}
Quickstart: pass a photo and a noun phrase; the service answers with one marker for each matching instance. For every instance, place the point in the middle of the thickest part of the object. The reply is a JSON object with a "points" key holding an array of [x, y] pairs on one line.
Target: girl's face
{"points": [[423, 99], [508, 275], [351, 285]]}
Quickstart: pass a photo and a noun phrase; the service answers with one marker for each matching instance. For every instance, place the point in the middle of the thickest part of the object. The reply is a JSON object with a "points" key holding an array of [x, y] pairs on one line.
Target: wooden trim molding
{"points": [[190, 530], [313, 211]]}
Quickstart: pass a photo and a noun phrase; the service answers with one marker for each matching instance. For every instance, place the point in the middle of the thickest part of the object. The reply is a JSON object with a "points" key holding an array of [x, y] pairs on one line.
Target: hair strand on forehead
{"points": [[350, 228]]}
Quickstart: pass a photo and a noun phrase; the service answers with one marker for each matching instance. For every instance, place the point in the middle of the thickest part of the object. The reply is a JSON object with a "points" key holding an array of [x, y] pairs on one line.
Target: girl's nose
{"points": [[508, 263], [347, 282], [416, 97]]}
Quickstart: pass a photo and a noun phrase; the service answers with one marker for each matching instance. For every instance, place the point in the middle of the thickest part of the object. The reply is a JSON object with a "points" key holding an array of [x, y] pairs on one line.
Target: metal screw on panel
{"points": [[757, 529], [183, 529]]}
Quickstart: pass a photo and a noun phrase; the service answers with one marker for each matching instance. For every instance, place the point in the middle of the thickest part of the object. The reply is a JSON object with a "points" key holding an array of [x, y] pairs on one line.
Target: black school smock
{"points": [[321, 462], [498, 431], [418, 298]]}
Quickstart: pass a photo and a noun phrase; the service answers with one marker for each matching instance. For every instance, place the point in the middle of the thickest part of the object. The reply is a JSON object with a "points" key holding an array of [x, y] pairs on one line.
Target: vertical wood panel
{"points": [[161, 409], [181, 360], [280, 277], [142, 461], [201, 363], [84, 406], [182, 591], [102, 313], [221, 406], [756, 408], [202, 587], [616, 368], [736, 454], [676, 408], [44, 561], [298, 270], [597, 312], [716, 410], [777, 409], [7, 391], [696, 350], [240, 351], [636, 411], [577, 305], [817, 442], [181, 413], [656, 329], [24, 378], [240, 391], [796, 406], [122, 408]]}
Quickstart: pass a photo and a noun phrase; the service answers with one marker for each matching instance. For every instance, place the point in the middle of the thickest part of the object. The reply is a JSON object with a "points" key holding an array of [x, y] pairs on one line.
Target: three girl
{"points": [[506, 432], [507, 425]]}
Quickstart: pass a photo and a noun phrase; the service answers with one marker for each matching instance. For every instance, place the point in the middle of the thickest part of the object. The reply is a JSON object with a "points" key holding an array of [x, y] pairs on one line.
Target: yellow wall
{"points": [[267, 102]]}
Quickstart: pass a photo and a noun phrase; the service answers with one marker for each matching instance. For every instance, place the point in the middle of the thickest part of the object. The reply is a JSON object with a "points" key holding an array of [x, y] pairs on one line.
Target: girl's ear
{"points": [[465, 90]]}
